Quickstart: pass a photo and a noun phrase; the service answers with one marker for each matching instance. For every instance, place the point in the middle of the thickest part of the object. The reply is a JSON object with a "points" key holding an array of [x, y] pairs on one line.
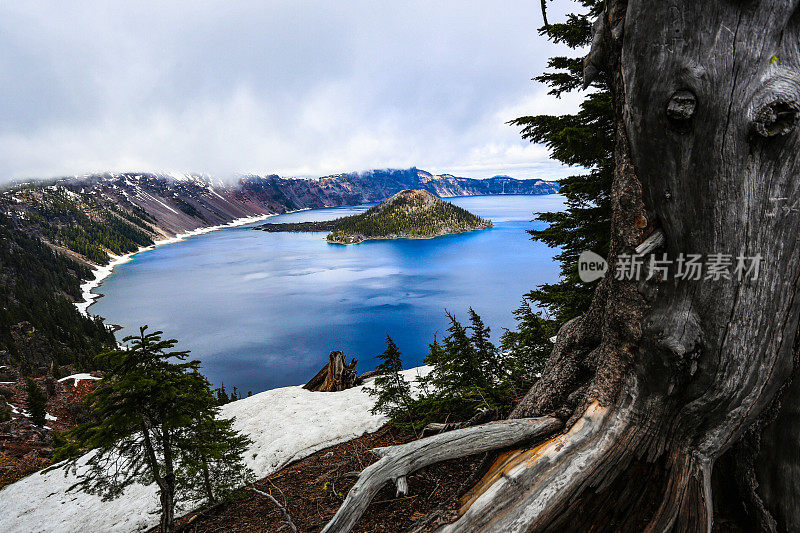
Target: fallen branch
{"points": [[398, 461], [284, 512]]}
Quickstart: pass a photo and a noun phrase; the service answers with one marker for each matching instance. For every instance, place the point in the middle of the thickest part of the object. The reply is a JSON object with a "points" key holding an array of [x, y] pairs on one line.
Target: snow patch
{"points": [[77, 378], [285, 425]]}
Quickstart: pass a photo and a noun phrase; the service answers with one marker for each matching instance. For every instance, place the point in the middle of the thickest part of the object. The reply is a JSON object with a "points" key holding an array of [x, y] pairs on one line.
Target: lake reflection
{"points": [[262, 310]]}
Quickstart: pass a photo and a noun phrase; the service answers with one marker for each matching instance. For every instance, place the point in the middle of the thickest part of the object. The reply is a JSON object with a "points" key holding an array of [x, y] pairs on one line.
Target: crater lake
{"points": [[263, 310]]}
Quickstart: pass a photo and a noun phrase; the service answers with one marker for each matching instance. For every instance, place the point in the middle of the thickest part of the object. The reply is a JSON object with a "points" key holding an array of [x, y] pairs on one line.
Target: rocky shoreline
{"points": [[356, 239]]}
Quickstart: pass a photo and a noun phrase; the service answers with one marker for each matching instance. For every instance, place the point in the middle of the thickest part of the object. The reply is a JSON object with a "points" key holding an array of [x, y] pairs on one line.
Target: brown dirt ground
{"points": [[313, 488], [22, 455]]}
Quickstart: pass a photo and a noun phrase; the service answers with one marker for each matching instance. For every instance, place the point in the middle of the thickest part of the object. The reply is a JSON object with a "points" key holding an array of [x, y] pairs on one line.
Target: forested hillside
{"points": [[39, 325], [82, 222]]}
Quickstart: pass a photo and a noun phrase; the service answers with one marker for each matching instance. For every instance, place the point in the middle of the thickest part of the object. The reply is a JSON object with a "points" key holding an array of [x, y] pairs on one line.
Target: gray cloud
{"points": [[294, 87]]}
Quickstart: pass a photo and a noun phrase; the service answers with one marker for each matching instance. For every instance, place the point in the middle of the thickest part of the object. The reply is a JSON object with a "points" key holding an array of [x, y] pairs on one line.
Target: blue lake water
{"points": [[263, 310]]}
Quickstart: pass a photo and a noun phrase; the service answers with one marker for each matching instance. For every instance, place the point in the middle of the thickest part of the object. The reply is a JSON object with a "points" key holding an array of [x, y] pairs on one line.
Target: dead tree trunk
{"points": [[662, 378], [397, 462], [670, 375], [335, 376]]}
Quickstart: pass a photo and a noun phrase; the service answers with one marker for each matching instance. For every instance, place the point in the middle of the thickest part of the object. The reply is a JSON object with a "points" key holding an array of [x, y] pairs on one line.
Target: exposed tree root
{"points": [[519, 493], [398, 461]]}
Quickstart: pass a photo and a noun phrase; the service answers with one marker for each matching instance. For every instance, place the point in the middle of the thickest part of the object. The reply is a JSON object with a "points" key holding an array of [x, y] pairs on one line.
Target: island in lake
{"points": [[409, 214]]}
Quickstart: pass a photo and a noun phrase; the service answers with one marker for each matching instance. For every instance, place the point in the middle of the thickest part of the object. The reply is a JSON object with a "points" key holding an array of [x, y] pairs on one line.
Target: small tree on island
{"points": [[391, 389], [153, 420], [36, 403]]}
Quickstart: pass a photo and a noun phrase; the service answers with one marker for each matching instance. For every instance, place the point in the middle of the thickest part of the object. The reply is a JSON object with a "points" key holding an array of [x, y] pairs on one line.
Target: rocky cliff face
{"points": [[378, 185], [446, 185]]}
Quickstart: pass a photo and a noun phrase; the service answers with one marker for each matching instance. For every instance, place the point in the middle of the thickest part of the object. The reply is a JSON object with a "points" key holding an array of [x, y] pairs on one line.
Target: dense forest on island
{"points": [[407, 214], [410, 214]]}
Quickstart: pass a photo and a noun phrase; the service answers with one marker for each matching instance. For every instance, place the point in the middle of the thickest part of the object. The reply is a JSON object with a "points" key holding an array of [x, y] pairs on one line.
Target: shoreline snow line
{"points": [[101, 272]]}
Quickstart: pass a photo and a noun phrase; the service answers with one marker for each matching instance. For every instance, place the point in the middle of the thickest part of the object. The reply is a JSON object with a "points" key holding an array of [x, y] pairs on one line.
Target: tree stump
{"points": [[336, 375]]}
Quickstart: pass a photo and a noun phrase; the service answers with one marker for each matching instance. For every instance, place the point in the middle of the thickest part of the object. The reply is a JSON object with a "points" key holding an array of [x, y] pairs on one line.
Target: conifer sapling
{"points": [[36, 403], [153, 419], [392, 390]]}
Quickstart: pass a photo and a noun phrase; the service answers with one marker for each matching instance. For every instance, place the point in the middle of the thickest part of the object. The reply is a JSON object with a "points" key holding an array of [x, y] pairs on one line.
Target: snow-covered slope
{"points": [[285, 424]]}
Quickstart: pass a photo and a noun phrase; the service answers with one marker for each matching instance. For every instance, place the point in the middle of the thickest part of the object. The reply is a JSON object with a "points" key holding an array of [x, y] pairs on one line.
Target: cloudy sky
{"points": [[293, 87]]}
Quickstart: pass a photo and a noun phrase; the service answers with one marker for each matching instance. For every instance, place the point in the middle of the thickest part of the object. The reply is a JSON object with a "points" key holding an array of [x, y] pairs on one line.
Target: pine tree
{"points": [[153, 420], [485, 352], [213, 466], [468, 374], [222, 395], [36, 403], [391, 389], [455, 366], [584, 139], [527, 348]]}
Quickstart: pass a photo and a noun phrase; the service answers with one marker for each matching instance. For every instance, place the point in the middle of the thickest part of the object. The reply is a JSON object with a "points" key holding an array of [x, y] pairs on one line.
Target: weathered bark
{"points": [[661, 379], [207, 482], [677, 372], [336, 375], [165, 483]]}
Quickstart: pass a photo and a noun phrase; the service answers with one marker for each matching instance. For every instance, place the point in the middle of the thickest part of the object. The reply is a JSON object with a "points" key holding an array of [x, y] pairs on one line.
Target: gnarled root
{"points": [[525, 486], [398, 461]]}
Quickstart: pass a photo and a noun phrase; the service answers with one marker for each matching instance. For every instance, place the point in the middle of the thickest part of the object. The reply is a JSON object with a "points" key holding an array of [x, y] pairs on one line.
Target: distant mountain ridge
{"points": [[119, 212]]}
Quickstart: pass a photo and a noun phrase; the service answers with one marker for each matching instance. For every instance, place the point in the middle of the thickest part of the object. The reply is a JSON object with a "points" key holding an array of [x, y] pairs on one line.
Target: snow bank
{"points": [[78, 378], [285, 424]]}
